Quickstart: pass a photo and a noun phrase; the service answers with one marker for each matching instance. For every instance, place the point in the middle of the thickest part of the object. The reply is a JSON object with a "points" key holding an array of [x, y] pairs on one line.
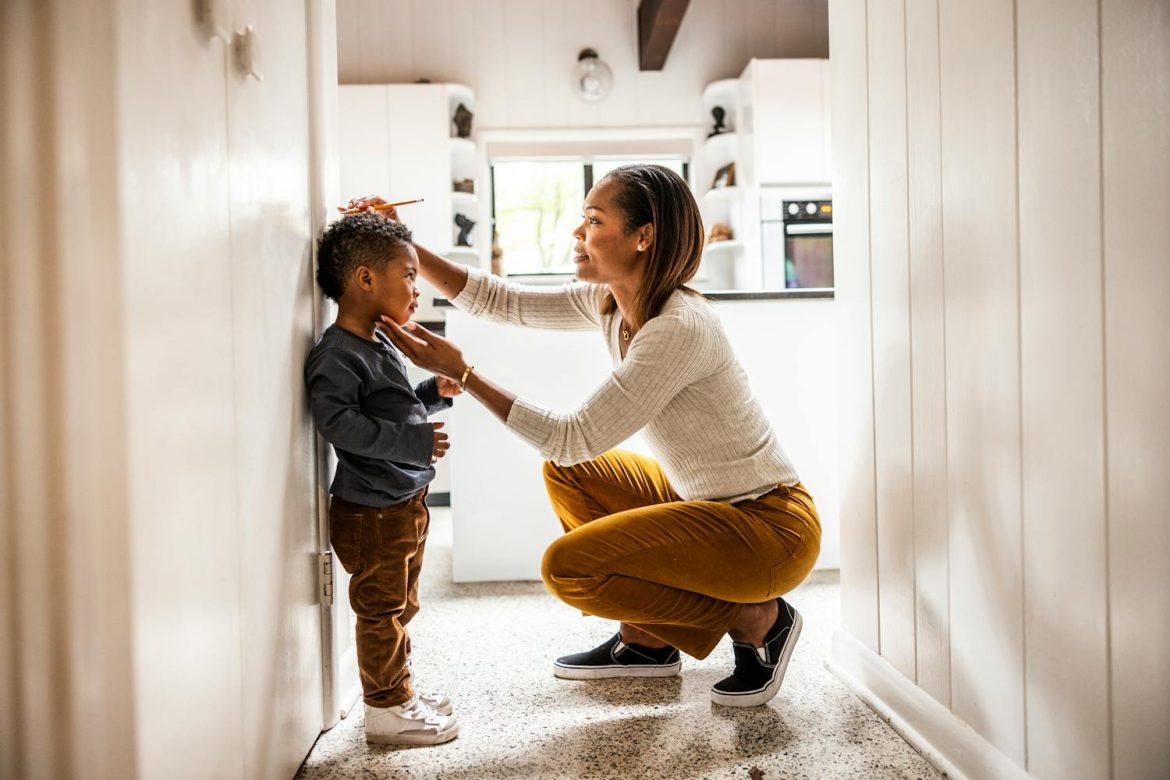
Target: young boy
{"points": [[363, 404]]}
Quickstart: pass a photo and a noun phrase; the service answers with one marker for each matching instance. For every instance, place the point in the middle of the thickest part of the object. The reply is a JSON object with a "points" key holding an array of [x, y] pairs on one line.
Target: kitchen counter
{"points": [[502, 518], [731, 295]]}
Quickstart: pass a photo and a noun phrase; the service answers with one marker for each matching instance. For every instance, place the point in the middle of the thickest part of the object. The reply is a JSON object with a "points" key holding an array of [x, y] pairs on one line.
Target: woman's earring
{"points": [[639, 247]]}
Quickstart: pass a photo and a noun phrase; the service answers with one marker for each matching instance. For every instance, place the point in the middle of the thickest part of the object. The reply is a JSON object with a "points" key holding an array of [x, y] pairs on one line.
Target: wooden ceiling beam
{"points": [[658, 23]]}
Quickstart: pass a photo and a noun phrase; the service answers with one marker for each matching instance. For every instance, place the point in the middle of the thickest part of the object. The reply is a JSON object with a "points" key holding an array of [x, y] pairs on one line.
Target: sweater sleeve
{"points": [[669, 353], [568, 307], [334, 391], [428, 392]]}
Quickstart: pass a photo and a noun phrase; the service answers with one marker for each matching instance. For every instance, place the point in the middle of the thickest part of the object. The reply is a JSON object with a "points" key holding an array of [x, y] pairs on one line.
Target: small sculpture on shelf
{"points": [[465, 224], [464, 185], [463, 121], [718, 113], [725, 176], [719, 232]]}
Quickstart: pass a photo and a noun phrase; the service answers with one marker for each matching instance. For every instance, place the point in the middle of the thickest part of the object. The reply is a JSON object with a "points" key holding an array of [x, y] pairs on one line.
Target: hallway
{"points": [[518, 721]]}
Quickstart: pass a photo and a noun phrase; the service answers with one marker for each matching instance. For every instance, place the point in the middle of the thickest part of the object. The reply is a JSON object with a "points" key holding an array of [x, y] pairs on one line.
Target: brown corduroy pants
{"points": [[382, 549], [634, 551]]}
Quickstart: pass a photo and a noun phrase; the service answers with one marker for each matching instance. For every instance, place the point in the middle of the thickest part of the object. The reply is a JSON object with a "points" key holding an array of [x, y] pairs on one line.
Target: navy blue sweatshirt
{"points": [[363, 404]]}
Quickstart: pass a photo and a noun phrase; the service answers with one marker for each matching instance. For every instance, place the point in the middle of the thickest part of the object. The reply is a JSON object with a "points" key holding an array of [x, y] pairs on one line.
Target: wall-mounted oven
{"points": [[797, 235]]}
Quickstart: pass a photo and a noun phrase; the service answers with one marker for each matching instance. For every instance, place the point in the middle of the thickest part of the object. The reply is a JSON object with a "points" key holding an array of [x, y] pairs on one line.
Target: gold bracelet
{"points": [[463, 379]]}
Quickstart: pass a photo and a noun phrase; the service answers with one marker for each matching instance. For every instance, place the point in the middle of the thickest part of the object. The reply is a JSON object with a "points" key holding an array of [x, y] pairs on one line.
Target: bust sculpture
{"points": [[465, 225]]}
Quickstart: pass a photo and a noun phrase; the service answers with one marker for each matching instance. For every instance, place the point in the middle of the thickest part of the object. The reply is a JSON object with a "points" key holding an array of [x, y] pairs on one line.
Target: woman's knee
{"points": [[561, 561]]}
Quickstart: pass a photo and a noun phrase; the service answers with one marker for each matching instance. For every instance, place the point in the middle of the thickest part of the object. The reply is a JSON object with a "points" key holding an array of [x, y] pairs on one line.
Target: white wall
{"points": [[1002, 212], [517, 54], [159, 614]]}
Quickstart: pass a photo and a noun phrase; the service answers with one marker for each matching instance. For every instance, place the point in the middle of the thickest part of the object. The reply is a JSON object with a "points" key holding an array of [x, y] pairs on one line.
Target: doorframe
{"points": [[341, 686]]}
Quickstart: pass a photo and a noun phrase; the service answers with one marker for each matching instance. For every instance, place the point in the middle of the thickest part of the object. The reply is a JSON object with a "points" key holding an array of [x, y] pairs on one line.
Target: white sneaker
{"points": [[411, 723], [437, 701]]}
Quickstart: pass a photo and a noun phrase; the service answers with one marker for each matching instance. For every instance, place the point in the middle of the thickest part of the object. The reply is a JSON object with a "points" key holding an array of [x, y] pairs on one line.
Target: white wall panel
{"points": [[1062, 383], [927, 353], [1037, 152], [1135, 102], [851, 241], [890, 293], [983, 389]]}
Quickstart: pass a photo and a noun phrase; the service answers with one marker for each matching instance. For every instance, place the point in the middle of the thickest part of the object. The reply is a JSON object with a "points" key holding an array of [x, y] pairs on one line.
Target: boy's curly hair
{"points": [[355, 240]]}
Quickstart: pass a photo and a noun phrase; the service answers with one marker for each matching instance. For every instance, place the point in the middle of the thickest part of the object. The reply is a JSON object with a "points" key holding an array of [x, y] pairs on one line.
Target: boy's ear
{"points": [[363, 278]]}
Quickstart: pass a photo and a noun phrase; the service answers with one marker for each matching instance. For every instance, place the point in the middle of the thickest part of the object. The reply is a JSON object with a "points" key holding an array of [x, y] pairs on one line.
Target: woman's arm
{"points": [[448, 277], [445, 275], [565, 307], [668, 354], [435, 353]]}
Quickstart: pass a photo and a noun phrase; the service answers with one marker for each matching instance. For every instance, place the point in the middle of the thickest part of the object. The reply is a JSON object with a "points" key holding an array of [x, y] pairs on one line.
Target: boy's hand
{"points": [[448, 387], [441, 444]]}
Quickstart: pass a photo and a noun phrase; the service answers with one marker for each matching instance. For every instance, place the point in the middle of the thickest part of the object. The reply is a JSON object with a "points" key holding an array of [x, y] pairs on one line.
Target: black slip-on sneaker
{"points": [[615, 658], [760, 670]]}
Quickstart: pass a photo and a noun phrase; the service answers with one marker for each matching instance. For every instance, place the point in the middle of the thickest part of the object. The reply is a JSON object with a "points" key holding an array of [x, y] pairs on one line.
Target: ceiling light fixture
{"points": [[592, 78]]}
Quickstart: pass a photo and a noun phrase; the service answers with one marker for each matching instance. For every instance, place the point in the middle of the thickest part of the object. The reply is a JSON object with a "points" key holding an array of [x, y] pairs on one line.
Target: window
{"points": [[536, 205]]}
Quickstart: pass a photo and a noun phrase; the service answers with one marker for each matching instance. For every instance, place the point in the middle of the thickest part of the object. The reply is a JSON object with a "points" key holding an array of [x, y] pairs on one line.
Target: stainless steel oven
{"points": [[797, 234]]}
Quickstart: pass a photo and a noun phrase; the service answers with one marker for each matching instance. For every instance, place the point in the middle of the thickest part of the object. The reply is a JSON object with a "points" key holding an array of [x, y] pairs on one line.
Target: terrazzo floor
{"points": [[490, 648]]}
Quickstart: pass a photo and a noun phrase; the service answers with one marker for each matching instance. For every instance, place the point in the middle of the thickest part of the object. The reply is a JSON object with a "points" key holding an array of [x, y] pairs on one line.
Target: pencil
{"points": [[383, 206]]}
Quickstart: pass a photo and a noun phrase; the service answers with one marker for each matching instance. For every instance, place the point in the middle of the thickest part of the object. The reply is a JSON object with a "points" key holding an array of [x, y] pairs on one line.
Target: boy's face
{"points": [[391, 289]]}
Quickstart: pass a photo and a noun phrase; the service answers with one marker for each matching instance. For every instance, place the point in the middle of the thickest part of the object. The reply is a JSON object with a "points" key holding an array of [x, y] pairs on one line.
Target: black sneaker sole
{"points": [[772, 687], [568, 672]]}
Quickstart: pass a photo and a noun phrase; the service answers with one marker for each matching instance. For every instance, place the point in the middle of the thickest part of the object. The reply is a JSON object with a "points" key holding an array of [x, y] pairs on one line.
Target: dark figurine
{"points": [[463, 121], [719, 114], [465, 225]]}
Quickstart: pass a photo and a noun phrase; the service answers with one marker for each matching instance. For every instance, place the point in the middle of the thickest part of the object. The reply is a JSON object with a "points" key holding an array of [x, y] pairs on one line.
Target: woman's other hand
{"points": [[425, 349], [448, 387], [367, 204], [441, 443]]}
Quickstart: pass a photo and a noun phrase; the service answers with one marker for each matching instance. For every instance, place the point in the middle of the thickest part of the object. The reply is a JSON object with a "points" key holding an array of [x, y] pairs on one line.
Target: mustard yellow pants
{"points": [[681, 571]]}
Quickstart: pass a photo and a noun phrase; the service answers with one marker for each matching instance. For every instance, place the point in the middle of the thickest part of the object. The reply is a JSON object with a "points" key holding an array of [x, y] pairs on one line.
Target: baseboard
{"points": [[943, 739], [438, 499]]}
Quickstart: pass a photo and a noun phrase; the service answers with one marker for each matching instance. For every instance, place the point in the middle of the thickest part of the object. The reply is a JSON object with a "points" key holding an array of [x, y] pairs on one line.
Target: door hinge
{"points": [[325, 578]]}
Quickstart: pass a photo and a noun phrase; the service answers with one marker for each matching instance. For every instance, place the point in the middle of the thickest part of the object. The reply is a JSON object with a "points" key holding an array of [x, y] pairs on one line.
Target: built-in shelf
{"points": [[463, 147], [729, 246], [721, 146], [463, 254], [460, 93], [464, 202], [717, 194]]}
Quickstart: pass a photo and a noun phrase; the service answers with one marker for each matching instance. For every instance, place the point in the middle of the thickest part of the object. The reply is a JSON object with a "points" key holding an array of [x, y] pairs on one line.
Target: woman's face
{"points": [[393, 288], [605, 252]]}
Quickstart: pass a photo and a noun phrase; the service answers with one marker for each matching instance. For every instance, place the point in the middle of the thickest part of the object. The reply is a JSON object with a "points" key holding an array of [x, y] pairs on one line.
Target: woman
{"points": [[700, 543]]}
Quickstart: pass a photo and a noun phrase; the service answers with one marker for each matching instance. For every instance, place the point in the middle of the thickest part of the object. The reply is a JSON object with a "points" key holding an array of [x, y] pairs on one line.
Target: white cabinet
{"points": [[399, 141], [776, 122], [785, 118]]}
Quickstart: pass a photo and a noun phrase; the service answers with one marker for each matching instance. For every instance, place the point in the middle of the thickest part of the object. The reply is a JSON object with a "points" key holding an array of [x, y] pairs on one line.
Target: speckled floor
{"points": [[490, 648]]}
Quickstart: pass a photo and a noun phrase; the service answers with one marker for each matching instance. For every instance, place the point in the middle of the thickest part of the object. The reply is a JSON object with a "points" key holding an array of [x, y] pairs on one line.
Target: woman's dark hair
{"points": [[353, 241], [654, 195]]}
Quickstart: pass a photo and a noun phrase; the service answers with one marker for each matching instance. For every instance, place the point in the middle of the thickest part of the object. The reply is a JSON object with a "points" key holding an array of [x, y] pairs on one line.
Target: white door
{"points": [[273, 323]]}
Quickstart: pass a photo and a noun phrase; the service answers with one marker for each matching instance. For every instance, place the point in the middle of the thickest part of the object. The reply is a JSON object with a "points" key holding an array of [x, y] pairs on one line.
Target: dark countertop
{"points": [[738, 295]]}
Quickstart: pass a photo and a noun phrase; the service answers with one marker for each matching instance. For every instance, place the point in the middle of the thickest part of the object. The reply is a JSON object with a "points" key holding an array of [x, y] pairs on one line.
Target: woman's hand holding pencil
{"points": [[358, 205]]}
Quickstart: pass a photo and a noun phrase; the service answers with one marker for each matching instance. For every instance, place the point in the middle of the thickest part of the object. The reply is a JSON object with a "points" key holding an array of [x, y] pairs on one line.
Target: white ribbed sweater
{"points": [[680, 384]]}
